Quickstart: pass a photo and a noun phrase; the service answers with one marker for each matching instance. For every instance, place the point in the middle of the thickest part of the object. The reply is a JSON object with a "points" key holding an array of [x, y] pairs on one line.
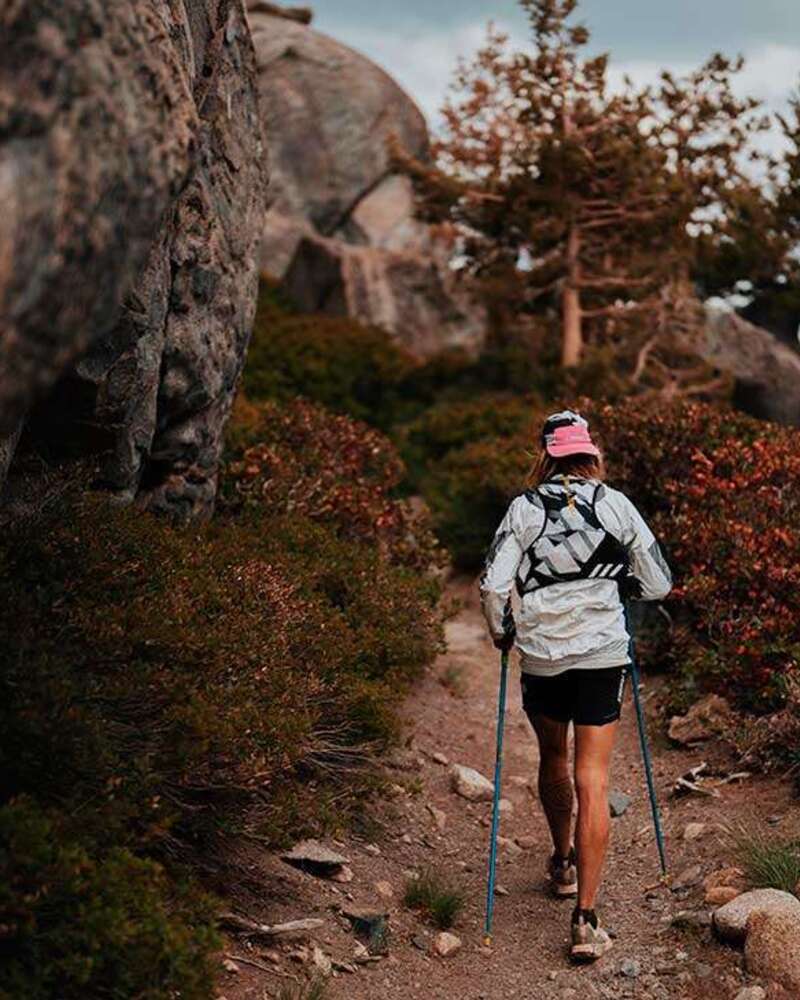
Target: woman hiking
{"points": [[576, 550]]}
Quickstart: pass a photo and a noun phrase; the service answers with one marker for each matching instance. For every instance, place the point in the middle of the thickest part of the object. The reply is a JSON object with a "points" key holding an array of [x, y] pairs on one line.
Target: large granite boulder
{"points": [[132, 184], [767, 370], [341, 229]]}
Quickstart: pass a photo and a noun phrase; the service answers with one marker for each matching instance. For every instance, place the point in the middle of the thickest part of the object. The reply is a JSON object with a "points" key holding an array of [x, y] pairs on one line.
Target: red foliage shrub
{"points": [[720, 489], [302, 460]]}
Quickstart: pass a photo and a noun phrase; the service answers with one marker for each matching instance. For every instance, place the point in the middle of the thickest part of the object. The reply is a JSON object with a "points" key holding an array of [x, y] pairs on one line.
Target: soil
{"points": [[452, 713]]}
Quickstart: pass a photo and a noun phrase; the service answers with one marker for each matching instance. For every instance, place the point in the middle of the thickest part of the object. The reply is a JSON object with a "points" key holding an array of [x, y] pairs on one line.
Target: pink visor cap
{"points": [[567, 433]]}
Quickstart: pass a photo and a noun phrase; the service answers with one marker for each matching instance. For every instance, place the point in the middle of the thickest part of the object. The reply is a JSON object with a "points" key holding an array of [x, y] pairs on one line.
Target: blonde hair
{"points": [[572, 466]]}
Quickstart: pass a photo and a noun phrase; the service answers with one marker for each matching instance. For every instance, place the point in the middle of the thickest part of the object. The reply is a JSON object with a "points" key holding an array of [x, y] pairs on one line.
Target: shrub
{"points": [[469, 490], [76, 925], [302, 460], [196, 682], [450, 425], [336, 361], [436, 896]]}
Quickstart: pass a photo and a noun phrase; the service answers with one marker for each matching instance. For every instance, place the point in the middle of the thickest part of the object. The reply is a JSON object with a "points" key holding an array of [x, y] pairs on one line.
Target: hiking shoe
{"points": [[589, 940], [563, 874]]}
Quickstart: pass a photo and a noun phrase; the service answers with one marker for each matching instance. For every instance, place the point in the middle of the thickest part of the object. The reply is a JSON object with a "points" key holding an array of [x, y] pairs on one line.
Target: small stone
{"points": [[344, 874], [439, 817], [552, 975], [506, 806], [301, 955], [773, 821], [692, 919], [407, 838], [688, 878], [384, 889], [501, 890], [471, 784], [313, 857], [719, 895], [630, 968], [526, 843], [230, 966], [446, 944], [618, 803], [372, 849], [518, 781], [725, 876], [751, 993], [730, 920], [693, 831], [509, 846], [440, 758], [419, 942]]}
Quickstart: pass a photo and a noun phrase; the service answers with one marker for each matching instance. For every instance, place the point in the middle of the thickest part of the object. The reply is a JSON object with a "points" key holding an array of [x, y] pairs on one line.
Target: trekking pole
{"points": [[498, 767], [648, 770]]}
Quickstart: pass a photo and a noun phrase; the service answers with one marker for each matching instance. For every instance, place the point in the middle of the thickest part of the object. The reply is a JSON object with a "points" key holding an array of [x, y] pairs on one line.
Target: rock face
{"points": [[340, 227], [132, 183], [767, 371]]}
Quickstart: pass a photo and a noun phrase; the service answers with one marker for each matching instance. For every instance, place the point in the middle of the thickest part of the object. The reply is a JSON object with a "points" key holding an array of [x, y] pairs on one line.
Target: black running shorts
{"points": [[585, 697]]}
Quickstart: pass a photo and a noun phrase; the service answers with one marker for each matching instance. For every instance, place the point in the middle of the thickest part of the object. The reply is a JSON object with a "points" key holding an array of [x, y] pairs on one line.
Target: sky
{"points": [[419, 41]]}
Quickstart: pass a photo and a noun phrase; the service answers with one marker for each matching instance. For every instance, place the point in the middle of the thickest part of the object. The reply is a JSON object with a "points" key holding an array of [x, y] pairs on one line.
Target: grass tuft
{"points": [[436, 897], [315, 990], [768, 863]]}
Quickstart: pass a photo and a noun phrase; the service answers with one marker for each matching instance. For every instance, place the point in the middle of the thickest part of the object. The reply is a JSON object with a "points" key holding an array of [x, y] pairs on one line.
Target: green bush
{"points": [[75, 925], [336, 361], [192, 683], [469, 491], [450, 425]]}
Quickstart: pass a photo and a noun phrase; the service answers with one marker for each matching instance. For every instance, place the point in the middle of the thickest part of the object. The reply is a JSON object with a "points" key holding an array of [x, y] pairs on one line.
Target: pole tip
{"points": [[487, 941]]}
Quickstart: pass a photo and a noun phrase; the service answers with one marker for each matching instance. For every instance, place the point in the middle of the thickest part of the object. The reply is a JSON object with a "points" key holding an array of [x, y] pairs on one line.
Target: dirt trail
{"points": [[651, 958]]}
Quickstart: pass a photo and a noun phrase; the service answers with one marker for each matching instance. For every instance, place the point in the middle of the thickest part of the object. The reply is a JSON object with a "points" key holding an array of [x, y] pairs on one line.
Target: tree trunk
{"points": [[571, 315]]}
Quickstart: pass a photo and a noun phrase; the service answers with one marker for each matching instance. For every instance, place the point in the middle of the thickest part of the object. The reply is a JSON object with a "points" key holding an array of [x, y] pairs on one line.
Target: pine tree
{"points": [[590, 194]]}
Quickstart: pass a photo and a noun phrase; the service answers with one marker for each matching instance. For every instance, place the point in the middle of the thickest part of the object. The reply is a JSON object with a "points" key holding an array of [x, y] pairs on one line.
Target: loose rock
{"points": [[440, 758], [706, 718], [693, 831], [321, 960], [471, 784], [688, 878], [719, 895], [618, 803], [526, 843], [730, 920], [344, 874], [315, 858], [751, 993], [446, 944], [630, 968], [439, 817]]}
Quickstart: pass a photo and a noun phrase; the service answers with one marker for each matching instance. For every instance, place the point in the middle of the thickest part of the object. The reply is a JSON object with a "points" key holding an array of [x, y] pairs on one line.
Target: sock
{"points": [[588, 916]]}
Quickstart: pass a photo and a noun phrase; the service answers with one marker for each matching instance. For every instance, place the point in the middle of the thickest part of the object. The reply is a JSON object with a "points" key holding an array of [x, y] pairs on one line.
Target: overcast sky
{"points": [[418, 41]]}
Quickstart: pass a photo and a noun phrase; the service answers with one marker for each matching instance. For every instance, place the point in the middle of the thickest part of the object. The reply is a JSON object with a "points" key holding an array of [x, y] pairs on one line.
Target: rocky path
{"points": [[426, 824]]}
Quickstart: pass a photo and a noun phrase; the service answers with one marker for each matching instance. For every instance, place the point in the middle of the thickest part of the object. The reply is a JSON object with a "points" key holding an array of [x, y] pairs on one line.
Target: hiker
{"points": [[577, 551]]}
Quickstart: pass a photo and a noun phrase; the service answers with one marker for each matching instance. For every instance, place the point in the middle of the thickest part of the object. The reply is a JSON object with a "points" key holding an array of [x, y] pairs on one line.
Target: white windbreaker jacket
{"points": [[566, 547]]}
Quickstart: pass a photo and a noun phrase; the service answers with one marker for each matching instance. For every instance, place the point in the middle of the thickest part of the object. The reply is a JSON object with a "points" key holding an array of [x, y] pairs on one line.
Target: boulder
{"points": [[706, 718], [770, 948], [340, 230], [730, 920], [471, 784], [414, 295], [133, 178], [767, 370]]}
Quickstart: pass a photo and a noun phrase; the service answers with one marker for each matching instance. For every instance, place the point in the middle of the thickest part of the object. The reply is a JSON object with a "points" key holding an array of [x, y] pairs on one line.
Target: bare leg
{"points": [[593, 747], [555, 784]]}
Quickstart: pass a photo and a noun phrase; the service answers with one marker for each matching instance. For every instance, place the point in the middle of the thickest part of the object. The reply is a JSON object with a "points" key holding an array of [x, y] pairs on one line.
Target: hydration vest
{"points": [[573, 544]]}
